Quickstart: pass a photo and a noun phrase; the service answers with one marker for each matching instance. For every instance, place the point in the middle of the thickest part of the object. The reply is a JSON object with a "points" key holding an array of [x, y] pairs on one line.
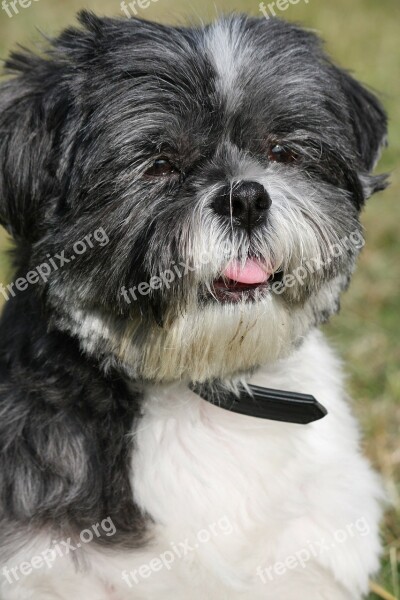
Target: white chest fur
{"points": [[276, 488]]}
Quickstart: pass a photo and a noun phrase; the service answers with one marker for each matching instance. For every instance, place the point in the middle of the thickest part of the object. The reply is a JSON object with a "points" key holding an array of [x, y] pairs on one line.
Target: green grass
{"points": [[362, 35]]}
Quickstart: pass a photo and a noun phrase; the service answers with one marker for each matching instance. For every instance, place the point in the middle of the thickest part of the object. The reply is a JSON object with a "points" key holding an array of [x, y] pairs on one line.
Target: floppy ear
{"points": [[41, 115], [33, 108], [368, 121]]}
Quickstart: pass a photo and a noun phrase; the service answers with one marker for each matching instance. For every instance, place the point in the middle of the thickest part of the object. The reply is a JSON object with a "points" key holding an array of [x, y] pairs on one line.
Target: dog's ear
{"points": [[368, 122], [33, 108], [41, 115]]}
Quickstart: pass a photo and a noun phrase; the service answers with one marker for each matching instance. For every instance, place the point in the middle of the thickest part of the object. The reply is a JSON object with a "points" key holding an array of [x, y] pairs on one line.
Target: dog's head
{"points": [[224, 166]]}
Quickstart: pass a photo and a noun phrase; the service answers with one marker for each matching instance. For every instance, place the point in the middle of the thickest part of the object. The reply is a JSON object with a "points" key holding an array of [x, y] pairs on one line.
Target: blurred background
{"points": [[363, 36]]}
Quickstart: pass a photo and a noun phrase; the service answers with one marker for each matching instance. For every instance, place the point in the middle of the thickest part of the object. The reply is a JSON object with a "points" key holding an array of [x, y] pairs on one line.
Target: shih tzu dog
{"points": [[185, 208]]}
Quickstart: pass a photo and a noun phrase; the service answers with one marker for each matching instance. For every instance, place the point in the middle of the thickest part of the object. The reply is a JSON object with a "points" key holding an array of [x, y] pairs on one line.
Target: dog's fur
{"points": [[97, 419]]}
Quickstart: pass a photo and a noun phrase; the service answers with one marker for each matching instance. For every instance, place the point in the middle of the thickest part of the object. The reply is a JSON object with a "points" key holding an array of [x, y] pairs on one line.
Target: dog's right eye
{"points": [[281, 154], [161, 167]]}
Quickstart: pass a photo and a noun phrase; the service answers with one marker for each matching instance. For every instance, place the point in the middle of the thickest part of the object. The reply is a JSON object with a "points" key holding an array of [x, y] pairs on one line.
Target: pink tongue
{"points": [[251, 272]]}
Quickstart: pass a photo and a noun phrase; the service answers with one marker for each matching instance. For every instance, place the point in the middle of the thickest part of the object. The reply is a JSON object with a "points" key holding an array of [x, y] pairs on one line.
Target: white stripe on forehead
{"points": [[230, 53]]}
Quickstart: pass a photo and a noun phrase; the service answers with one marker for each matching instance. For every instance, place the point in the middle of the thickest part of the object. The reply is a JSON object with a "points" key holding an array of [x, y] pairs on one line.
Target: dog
{"points": [[185, 208]]}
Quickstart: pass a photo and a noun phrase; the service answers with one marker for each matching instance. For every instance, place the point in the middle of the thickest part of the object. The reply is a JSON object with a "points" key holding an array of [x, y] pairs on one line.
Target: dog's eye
{"points": [[161, 168], [281, 154]]}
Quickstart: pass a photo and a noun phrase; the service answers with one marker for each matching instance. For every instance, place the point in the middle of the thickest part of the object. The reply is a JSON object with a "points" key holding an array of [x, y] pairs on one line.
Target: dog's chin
{"points": [[214, 340], [220, 329]]}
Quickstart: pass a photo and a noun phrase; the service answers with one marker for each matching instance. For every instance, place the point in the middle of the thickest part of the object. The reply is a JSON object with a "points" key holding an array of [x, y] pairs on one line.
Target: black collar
{"points": [[264, 403]]}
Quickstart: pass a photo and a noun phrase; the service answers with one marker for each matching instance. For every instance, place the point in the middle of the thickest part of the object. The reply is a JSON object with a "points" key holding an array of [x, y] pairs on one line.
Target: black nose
{"points": [[247, 204]]}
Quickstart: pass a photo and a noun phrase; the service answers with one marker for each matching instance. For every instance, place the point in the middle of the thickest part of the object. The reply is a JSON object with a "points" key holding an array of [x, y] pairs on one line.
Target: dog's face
{"points": [[227, 167]]}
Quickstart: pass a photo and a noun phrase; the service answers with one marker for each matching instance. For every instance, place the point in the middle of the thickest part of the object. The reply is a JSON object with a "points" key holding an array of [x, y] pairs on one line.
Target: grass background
{"points": [[363, 35]]}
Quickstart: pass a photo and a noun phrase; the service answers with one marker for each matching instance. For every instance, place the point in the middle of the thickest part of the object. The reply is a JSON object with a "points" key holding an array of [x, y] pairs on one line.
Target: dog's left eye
{"points": [[161, 167], [281, 154]]}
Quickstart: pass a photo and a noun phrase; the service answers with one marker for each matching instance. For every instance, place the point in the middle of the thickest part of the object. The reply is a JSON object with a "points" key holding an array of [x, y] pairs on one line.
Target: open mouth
{"points": [[247, 282]]}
